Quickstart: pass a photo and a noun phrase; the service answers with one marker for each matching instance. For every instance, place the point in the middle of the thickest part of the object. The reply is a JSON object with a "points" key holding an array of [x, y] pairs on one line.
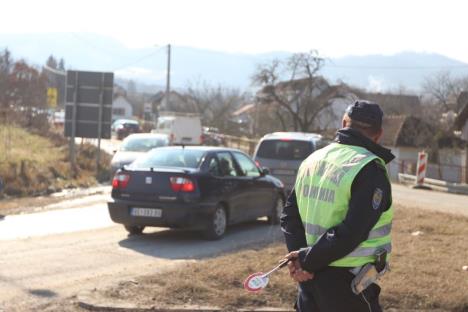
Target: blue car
{"points": [[206, 188]]}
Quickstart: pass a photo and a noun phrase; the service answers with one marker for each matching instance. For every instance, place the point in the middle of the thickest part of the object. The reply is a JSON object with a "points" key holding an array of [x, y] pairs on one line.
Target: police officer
{"points": [[339, 215]]}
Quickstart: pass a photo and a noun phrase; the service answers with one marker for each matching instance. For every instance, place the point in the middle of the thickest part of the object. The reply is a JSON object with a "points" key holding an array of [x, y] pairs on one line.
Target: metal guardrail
{"points": [[457, 188]]}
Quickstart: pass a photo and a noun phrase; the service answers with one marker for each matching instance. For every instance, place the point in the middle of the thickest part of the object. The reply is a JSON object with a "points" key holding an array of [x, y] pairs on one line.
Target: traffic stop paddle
{"points": [[257, 281]]}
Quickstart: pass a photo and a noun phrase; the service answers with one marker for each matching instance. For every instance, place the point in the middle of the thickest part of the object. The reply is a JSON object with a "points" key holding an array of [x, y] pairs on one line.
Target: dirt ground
{"points": [[430, 250]]}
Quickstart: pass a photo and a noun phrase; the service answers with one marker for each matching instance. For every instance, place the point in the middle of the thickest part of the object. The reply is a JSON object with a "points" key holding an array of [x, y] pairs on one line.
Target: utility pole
{"points": [[168, 80]]}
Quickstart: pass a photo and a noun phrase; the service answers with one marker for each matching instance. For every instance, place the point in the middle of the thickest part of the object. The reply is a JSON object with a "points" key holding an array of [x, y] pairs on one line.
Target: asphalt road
{"points": [[431, 200], [55, 254]]}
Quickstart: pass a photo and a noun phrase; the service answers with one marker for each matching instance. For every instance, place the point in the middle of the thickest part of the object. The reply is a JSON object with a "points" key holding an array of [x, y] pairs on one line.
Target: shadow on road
{"points": [[184, 244]]}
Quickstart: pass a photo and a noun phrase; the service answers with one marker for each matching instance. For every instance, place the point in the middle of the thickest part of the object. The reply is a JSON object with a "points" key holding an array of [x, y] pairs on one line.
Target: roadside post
{"points": [[88, 108], [421, 169]]}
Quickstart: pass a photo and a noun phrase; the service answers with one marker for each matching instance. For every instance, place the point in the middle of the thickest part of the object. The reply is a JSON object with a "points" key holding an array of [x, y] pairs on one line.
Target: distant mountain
{"points": [[381, 72], [147, 66]]}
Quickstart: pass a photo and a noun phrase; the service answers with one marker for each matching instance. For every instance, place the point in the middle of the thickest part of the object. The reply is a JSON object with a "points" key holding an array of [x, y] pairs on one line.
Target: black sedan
{"points": [[207, 188]]}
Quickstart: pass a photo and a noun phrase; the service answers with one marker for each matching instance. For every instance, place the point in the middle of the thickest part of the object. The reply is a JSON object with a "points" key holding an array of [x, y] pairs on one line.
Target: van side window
{"points": [[247, 166]]}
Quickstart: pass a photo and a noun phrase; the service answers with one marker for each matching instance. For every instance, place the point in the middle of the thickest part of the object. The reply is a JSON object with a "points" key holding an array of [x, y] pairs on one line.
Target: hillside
{"points": [[47, 169]]}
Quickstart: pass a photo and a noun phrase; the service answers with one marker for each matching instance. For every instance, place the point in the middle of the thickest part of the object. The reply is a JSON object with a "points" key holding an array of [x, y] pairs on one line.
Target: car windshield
{"points": [[284, 149], [142, 144], [180, 157]]}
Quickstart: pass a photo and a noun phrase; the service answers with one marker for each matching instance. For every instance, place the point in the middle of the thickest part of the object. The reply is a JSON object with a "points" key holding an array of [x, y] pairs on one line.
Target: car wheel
{"points": [[134, 229], [274, 217], [217, 224]]}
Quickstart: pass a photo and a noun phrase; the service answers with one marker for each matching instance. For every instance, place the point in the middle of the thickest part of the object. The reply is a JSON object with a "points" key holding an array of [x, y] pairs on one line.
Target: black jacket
{"points": [[360, 219]]}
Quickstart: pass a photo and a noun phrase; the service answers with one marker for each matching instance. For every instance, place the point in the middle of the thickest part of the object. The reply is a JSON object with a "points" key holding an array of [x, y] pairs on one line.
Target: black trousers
{"points": [[330, 291]]}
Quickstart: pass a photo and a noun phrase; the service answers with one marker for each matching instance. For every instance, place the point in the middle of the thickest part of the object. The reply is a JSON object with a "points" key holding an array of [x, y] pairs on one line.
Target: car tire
{"points": [[134, 229], [217, 224], [277, 209]]}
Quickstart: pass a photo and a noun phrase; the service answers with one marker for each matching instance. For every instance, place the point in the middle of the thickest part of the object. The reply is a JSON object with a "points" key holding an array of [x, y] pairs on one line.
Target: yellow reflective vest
{"points": [[323, 191]]}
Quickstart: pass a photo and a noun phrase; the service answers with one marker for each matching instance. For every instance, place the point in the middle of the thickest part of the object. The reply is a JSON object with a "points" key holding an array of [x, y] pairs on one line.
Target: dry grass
{"points": [[17, 144], [32, 165], [427, 268], [426, 272]]}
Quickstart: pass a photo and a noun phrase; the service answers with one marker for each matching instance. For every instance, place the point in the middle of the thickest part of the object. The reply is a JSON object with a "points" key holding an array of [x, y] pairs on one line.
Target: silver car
{"points": [[135, 145], [283, 152]]}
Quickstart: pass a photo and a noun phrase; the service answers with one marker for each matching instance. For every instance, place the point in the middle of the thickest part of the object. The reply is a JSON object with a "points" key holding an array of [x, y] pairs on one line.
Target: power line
{"points": [[138, 60], [100, 49]]}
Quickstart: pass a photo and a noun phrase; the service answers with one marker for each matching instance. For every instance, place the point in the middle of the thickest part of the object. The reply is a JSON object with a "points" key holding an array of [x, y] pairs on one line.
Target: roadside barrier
{"points": [[244, 144], [422, 166], [457, 188]]}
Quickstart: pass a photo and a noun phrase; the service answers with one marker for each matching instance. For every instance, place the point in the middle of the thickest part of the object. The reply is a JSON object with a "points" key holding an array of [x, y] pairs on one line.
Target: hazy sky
{"points": [[335, 28]]}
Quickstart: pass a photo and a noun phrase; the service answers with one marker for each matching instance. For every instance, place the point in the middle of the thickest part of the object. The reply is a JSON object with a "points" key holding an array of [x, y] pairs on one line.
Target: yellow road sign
{"points": [[52, 97]]}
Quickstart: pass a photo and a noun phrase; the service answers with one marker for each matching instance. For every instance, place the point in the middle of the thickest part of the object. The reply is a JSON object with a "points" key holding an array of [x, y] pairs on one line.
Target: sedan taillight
{"points": [[120, 181], [182, 184]]}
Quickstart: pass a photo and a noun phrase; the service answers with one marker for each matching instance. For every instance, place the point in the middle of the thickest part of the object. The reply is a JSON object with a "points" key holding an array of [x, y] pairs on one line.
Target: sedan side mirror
{"points": [[265, 171]]}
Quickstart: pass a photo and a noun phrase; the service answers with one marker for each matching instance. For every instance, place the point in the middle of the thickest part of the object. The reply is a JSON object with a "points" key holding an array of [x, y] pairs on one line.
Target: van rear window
{"points": [[286, 150]]}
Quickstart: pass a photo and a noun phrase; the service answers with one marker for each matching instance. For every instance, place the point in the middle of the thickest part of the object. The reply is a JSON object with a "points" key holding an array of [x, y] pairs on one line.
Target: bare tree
{"points": [[216, 105], [6, 65], [28, 90], [443, 90], [295, 87]]}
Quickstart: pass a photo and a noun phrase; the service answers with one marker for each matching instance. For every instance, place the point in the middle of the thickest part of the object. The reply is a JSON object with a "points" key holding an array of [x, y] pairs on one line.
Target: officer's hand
{"points": [[295, 270]]}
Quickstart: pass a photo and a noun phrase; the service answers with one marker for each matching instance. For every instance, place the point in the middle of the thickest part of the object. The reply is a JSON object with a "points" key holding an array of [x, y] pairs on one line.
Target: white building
{"points": [[121, 108]]}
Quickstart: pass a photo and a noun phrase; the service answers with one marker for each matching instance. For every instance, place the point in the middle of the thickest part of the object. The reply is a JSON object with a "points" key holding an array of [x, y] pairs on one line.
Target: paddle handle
{"points": [[282, 264]]}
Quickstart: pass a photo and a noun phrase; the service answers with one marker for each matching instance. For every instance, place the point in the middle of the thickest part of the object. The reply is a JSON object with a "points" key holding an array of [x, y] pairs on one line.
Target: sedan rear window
{"points": [[142, 144], [180, 157], [284, 149]]}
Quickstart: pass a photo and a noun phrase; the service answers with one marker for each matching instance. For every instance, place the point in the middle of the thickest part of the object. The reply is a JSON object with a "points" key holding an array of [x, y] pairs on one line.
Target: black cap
{"points": [[366, 112]]}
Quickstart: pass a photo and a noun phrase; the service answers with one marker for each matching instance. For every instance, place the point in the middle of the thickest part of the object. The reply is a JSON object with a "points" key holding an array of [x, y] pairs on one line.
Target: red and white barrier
{"points": [[421, 168]]}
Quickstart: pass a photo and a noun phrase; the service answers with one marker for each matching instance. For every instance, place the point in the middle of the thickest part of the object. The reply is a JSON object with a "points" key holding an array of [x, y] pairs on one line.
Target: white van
{"points": [[182, 128]]}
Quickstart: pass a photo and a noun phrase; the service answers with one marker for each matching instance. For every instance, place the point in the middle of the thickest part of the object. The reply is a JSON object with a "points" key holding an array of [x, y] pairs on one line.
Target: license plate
{"points": [[284, 172], [146, 212]]}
